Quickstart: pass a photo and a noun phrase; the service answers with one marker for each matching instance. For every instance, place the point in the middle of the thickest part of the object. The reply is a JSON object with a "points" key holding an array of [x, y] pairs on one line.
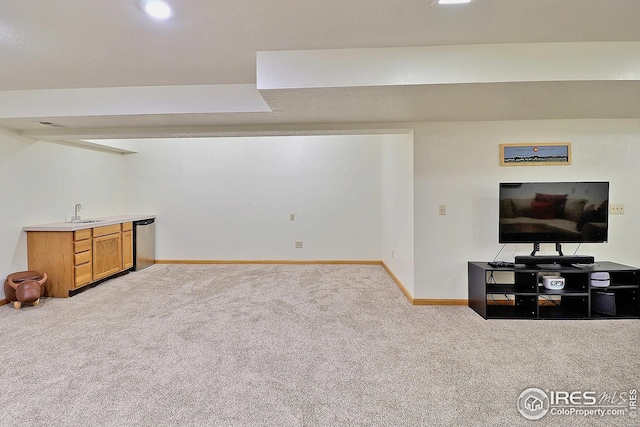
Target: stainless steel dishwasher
{"points": [[144, 243]]}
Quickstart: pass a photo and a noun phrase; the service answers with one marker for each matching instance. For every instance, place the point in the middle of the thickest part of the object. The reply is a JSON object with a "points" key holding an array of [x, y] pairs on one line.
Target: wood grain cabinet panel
{"points": [[82, 258], [127, 249], [82, 234], [107, 229], [51, 252], [83, 275], [73, 259], [83, 262], [107, 255], [82, 246]]}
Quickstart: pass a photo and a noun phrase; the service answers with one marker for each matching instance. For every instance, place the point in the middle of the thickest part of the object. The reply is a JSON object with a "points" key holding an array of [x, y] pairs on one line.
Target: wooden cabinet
{"points": [[73, 259], [127, 245], [107, 251]]}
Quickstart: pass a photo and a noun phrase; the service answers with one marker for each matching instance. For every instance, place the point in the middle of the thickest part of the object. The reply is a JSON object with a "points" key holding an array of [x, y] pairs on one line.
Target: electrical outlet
{"points": [[442, 210], [292, 217], [298, 244], [616, 209]]}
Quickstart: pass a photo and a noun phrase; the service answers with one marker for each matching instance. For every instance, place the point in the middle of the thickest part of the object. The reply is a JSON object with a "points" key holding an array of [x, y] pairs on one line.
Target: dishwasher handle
{"points": [[145, 221]]}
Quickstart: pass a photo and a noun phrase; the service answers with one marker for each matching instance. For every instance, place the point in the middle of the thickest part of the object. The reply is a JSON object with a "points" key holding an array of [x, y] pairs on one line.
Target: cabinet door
{"points": [[127, 249], [107, 255]]}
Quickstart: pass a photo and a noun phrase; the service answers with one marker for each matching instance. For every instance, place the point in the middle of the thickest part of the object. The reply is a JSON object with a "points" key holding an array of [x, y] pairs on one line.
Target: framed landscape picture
{"points": [[538, 154]]}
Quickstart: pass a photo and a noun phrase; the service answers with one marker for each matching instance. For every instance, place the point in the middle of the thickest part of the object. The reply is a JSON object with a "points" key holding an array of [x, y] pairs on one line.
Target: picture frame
{"points": [[536, 154]]}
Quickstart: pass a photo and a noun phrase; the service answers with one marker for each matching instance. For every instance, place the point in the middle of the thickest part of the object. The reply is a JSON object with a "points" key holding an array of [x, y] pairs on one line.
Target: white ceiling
{"points": [[78, 44]]}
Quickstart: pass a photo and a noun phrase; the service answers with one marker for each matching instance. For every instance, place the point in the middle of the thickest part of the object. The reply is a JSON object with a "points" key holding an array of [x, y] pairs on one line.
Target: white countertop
{"points": [[73, 226]]}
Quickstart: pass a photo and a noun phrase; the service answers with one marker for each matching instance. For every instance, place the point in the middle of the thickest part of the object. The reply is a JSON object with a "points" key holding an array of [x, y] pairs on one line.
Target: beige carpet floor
{"points": [[292, 345]]}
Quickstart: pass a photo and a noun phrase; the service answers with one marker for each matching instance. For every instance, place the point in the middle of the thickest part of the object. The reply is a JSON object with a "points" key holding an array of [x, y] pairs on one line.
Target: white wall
{"points": [[230, 198], [457, 164], [354, 196], [41, 182], [397, 207]]}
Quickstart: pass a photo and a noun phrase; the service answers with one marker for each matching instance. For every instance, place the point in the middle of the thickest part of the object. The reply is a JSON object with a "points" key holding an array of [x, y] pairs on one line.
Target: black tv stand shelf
{"points": [[516, 292], [554, 259]]}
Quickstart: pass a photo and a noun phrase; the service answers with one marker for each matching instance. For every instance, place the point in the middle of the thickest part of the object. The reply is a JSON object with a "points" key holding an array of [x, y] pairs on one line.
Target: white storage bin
{"points": [[600, 279], [553, 282]]}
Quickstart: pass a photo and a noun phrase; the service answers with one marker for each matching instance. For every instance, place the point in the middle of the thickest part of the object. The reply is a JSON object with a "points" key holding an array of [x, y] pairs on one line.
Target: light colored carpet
{"points": [[291, 345]]}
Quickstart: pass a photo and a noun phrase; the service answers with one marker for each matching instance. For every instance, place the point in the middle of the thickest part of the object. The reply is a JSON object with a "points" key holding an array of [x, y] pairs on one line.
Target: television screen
{"points": [[554, 212]]}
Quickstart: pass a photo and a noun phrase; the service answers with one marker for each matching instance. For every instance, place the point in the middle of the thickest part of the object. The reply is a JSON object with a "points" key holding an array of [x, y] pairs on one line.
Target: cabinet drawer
{"points": [[83, 274], [81, 246], [107, 229], [82, 234], [82, 257], [126, 226]]}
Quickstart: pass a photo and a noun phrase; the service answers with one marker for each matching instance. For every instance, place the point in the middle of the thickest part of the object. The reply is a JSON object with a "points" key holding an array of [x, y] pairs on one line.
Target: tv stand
{"points": [[517, 292], [554, 259]]}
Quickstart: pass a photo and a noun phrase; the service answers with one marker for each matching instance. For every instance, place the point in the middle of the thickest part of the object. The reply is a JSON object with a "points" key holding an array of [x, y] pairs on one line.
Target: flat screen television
{"points": [[554, 212]]}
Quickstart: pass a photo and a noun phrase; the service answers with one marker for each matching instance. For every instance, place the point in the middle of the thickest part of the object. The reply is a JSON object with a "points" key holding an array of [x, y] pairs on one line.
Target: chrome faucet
{"points": [[76, 217]]}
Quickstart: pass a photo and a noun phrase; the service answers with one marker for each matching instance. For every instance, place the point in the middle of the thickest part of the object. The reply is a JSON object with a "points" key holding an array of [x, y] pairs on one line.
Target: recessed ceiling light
{"points": [[157, 9]]}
